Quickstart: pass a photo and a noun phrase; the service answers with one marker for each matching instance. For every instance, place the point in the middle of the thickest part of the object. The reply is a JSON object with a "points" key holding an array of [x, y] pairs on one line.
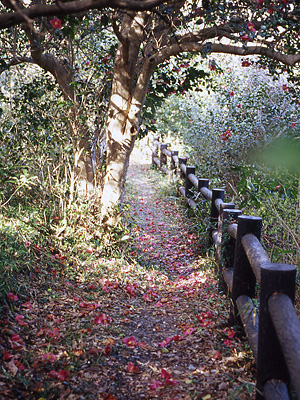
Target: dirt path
{"points": [[152, 326]]}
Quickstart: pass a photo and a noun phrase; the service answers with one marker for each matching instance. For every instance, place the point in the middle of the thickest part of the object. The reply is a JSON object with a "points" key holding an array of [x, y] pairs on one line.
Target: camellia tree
{"points": [[69, 50], [79, 64], [147, 39], [148, 36]]}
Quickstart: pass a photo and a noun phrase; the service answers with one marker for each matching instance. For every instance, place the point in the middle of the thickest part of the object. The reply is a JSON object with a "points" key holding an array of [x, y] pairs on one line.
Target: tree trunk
{"points": [[62, 74], [84, 169], [127, 98]]}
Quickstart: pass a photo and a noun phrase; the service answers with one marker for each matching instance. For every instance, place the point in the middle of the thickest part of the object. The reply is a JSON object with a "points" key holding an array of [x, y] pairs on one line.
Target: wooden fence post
{"points": [[275, 278], [163, 157], [188, 184], [214, 213], [173, 165], [222, 236], [244, 280], [182, 160], [154, 149], [227, 248], [202, 183]]}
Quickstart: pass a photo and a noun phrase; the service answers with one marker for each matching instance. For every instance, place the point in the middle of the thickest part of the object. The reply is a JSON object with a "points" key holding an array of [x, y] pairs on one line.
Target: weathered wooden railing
{"points": [[245, 269]]}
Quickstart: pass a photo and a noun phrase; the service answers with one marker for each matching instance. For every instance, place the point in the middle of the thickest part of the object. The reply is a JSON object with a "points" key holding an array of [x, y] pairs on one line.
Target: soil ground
{"points": [[152, 325]]}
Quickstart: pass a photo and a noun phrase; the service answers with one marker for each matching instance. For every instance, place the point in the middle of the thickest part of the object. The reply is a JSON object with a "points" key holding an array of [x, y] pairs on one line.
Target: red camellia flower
{"points": [[212, 65], [155, 385], [228, 343], [132, 368], [63, 374], [284, 87], [102, 319], [226, 135], [245, 38], [19, 365], [130, 341], [232, 93], [12, 297], [246, 63], [16, 338], [230, 333], [167, 377], [56, 23], [177, 338], [165, 342], [251, 26], [293, 124], [7, 356], [189, 331], [19, 319]]}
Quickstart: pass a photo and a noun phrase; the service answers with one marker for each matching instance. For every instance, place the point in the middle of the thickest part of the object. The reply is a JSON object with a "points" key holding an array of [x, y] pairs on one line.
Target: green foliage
{"points": [[242, 132], [174, 77], [33, 135]]}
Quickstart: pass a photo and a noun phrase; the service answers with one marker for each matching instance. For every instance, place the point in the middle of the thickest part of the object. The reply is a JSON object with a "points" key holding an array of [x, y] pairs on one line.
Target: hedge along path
{"points": [[150, 326]]}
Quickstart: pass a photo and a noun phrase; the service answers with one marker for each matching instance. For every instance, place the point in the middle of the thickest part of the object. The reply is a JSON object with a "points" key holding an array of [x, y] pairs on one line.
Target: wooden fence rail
{"points": [[243, 265]]}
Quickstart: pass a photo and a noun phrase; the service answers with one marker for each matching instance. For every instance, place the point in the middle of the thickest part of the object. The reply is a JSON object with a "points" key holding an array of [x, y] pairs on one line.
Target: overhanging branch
{"points": [[174, 49], [75, 7]]}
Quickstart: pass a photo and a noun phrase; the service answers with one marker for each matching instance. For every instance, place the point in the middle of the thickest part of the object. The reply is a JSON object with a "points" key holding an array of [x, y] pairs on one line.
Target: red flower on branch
{"points": [[246, 63], [251, 26], [245, 38], [226, 135], [56, 23]]}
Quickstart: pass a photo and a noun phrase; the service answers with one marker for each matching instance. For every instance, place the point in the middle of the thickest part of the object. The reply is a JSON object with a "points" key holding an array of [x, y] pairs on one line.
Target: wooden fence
{"points": [[243, 267]]}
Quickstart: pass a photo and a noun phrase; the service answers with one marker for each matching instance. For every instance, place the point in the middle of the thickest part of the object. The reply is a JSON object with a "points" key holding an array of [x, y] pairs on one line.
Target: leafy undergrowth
{"points": [[151, 326]]}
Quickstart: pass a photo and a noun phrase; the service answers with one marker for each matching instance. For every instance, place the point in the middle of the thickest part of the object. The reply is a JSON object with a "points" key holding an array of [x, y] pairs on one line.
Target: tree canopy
{"points": [[125, 48]]}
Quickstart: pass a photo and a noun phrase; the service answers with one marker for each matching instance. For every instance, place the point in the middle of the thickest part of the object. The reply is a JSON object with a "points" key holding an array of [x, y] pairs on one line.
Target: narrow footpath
{"points": [[152, 325], [184, 318]]}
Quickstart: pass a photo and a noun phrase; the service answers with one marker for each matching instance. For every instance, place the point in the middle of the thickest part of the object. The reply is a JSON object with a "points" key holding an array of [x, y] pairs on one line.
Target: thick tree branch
{"points": [[166, 52], [117, 32], [75, 7]]}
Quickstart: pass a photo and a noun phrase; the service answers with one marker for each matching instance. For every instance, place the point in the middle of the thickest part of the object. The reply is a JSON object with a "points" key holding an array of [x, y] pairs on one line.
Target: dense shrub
{"points": [[241, 131]]}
